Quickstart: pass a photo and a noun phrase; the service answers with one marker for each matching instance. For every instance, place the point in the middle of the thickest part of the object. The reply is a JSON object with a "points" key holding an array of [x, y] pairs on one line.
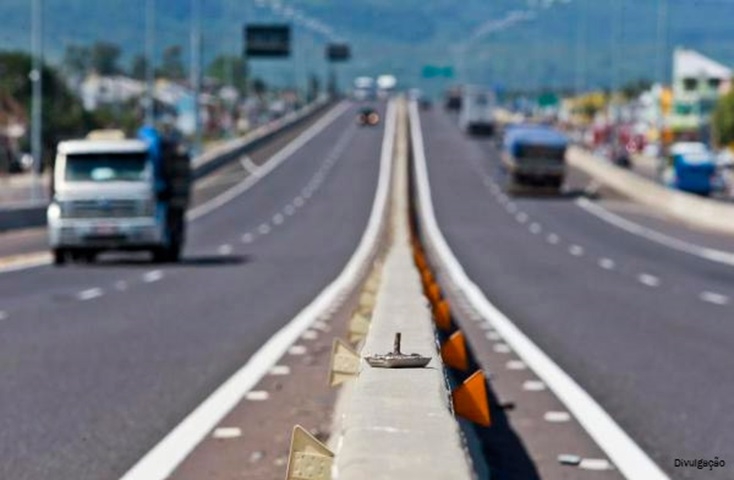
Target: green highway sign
{"points": [[433, 71]]}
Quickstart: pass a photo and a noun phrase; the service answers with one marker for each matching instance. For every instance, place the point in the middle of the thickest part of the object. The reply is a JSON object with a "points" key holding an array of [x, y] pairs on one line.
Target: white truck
{"points": [[115, 193], [477, 115]]}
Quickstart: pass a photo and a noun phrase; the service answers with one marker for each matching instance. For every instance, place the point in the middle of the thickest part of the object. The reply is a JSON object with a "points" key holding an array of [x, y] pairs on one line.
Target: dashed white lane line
{"points": [[263, 229], [715, 298], [648, 280], [511, 208], [257, 395], [247, 238], [152, 276], [226, 433], [553, 239], [501, 348], [225, 249], [289, 210], [280, 370], [493, 336], [576, 250], [310, 335], [516, 365], [278, 219], [3, 315], [89, 294], [535, 228], [557, 417], [298, 201], [297, 350], [121, 285], [533, 386], [607, 263], [598, 464]]}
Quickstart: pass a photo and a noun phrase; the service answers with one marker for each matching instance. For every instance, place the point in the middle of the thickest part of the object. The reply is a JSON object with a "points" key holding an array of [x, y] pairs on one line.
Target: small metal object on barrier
{"points": [[397, 359]]}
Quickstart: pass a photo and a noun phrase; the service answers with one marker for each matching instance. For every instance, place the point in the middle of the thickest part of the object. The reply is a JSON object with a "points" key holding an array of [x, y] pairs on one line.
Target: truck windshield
{"points": [[107, 167]]}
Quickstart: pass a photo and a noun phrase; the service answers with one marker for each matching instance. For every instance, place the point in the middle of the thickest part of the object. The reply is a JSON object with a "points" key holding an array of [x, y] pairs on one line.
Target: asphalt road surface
{"points": [[645, 329], [99, 362]]}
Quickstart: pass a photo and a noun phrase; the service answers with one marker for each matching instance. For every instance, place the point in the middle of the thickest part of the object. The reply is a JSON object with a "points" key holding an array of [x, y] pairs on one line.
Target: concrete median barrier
{"points": [[694, 211], [34, 214], [398, 423]]}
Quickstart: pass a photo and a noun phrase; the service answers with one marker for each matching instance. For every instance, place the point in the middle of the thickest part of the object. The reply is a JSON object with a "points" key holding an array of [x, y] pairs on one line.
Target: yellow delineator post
{"points": [[471, 400], [453, 352], [442, 315], [359, 325], [309, 459], [344, 364]]}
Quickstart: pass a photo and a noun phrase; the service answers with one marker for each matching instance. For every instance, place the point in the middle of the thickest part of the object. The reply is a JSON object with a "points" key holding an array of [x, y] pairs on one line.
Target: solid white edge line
{"points": [[719, 256], [274, 162], [631, 460], [163, 459]]}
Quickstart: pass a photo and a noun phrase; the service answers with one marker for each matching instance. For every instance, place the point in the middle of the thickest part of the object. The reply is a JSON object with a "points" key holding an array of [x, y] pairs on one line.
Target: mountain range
{"points": [[558, 43]]}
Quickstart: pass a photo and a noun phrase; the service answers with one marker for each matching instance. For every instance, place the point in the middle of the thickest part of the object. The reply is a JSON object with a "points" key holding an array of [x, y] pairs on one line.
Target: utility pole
{"points": [[36, 79], [149, 62], [195, 69]]}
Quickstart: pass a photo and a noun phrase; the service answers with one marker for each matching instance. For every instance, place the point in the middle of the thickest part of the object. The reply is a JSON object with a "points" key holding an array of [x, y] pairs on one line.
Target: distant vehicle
{"points": [[417, 95], [477, 112], [364, 89], [452, 100], [535, 155], [115, 193], [368, 116], [386, 85], [695, 170]]}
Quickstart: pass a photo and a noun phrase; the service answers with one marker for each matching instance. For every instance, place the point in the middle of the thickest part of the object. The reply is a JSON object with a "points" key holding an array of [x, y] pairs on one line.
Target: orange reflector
{"points": [[453, 352], [434, 294], [471, 401], [420, 260], [426, 278], [442, 313]]}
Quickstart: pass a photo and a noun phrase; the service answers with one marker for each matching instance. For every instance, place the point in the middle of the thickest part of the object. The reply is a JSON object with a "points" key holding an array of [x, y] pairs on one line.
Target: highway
{"points": [[100, 361], [645, 329]]}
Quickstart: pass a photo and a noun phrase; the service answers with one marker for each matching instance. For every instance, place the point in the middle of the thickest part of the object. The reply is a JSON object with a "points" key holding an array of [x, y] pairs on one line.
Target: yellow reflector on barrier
{"points": [[309, 459], [344, 363]]}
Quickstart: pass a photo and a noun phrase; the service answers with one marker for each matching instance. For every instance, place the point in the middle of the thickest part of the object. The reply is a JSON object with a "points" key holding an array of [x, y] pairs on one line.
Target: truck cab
{"points": [[477, 115], [535, 155], [117, 193]]}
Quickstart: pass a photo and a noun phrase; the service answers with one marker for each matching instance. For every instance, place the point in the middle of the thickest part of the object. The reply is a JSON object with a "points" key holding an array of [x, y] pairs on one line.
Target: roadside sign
{"points": [[267, 41]]}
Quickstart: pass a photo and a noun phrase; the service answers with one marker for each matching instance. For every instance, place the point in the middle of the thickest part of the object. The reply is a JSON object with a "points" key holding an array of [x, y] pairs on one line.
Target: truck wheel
{"points": [[59, 256], [174, 252], [160, 255]]}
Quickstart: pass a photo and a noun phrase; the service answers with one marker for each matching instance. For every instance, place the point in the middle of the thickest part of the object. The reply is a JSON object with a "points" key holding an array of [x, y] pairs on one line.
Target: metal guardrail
{"points": [[34, 214]]}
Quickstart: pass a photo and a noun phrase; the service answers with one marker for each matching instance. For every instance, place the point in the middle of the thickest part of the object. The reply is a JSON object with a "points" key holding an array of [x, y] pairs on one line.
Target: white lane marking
{"points": [[486, 326], [274, 162], [226, 433], [257, 396], [163, 459], [298, 201], [3, 315], [89, 294], [225, 249], [289, 210], [516, 365], [493, 336], [247, 238], [263, 229], [623, 451], [280, 370], [278, 219], [152, 276], [501, 348], [121, 285], [511, 207], [557, 417], [719, 256], [250, 166], [607, 263], [521, 217], [715, 298], [306, 193], [535, 228], [598, 464], [297, 350], [576, 250], [321, 326], [533, 386], [648, 280], [310, 335], [553, 239]]}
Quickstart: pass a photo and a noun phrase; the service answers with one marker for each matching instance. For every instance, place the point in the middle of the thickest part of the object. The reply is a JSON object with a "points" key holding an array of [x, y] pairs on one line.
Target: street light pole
{"points": [[36, 79], [195, 69], [149, 67]]}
